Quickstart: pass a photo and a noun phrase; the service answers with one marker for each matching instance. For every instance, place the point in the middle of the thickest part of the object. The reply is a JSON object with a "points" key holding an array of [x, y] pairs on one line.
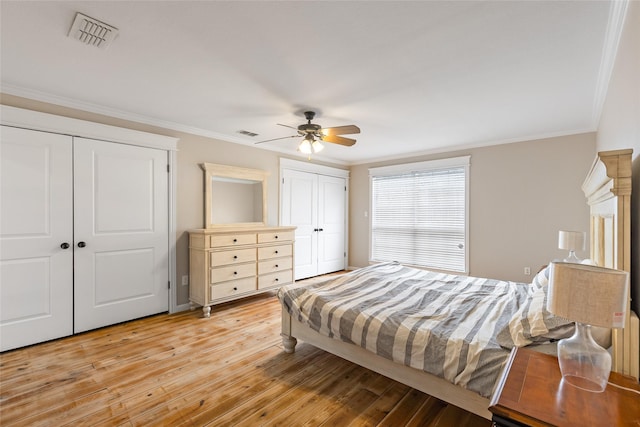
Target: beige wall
{"points": [[620, 126], [520, 195], [192, 150]]}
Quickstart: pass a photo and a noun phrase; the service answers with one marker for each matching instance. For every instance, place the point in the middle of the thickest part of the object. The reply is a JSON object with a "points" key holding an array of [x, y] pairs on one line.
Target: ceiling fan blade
{"points": [[340, 130], [339, 140], [287, 126], [275, 139]]}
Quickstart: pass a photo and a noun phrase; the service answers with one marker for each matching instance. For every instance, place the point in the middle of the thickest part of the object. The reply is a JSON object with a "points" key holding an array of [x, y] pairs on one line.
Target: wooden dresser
{"points": [[228, 263]]}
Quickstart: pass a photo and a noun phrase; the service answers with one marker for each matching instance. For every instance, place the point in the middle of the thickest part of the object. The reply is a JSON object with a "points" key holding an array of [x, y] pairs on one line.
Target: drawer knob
{"points": [[235, 240], [235, 257], [276, 236], [235, 272], [276, 279], [65, 245], [81, 244], [276, 265], [276, 251], [235, 288]]}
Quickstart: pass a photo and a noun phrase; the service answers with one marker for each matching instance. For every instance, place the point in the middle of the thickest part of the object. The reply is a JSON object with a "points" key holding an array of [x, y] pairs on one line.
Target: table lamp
{"points": [[590, 296], [572, 241]]}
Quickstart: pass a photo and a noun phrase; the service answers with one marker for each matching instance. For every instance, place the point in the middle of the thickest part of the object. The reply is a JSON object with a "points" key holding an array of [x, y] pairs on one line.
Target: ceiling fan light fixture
{"points": [[315, 135], [305, 147]]}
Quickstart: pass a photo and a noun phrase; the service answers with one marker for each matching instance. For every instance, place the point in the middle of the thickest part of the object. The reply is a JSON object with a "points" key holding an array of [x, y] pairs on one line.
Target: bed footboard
{"points": [[292, 331]]}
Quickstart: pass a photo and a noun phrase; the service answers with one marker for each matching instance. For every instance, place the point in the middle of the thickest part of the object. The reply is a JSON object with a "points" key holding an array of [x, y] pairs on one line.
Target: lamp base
{"points": [[583, 363], [572, 258]]}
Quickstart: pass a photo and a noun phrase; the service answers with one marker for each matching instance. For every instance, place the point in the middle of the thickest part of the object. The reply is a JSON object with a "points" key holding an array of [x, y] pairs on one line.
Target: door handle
{"points": [[65, 245], [81, 244]]}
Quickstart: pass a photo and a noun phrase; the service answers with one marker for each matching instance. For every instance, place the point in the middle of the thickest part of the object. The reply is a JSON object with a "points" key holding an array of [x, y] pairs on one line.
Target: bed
{"points": [[455, 348]]}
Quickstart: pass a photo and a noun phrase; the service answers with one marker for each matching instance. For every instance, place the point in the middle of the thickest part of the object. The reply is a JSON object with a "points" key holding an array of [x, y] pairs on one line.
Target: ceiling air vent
{"points": [[246, 132], [92, 32]]}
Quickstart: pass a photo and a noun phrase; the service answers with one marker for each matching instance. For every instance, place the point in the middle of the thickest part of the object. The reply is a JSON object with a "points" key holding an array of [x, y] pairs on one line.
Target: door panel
{"points": [[36, 273], [299, 208], [331, 220], [121, 226]]}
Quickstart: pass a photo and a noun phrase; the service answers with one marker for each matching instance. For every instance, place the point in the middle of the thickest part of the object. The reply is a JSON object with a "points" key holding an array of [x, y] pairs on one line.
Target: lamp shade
{"points": [[588, 294], [572, 240]]}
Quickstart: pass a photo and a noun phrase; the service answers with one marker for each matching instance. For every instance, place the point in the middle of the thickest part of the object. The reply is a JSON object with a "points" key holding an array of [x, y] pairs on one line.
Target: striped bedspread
{"points": [[456, 327]]}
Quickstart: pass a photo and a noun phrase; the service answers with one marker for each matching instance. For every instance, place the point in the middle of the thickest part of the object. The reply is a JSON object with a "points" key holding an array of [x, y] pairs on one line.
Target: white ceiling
{"points": [[416, 77]]}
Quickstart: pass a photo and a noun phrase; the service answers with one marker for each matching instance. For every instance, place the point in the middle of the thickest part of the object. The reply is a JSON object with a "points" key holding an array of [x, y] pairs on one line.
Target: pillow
{"points": [[532, 322]]}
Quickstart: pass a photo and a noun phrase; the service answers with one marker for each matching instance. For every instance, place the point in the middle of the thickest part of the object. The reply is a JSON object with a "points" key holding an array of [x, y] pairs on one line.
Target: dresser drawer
{"points": [[222, 274], [226, 240], [273, 265], [275, 279], [269, 252], [275, 236], [235, 256], [234, 287]]}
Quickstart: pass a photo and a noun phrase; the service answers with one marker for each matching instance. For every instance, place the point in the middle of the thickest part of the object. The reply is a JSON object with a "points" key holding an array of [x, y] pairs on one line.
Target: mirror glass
{"points": [[234, 196], [235, 200]]}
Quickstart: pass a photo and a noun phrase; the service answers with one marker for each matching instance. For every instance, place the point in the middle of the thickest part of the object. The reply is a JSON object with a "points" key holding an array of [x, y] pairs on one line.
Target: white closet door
{"points": [[331, 223], [299, 206], [36, 272], [121, 233], [316, 205]]}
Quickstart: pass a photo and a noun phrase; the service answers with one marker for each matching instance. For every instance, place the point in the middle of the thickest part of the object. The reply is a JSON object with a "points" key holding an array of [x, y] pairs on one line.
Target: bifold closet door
{"points": [[36, 237], [316, 205], [121, 233]]}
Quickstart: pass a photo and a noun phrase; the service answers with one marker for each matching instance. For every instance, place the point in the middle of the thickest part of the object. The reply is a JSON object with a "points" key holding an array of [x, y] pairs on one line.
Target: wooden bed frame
{"points": [[608, 190]]}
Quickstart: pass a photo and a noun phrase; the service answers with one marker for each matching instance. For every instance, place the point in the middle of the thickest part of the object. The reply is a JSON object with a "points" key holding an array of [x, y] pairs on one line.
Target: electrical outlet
{"points": [[185, 280], [527, 271]]}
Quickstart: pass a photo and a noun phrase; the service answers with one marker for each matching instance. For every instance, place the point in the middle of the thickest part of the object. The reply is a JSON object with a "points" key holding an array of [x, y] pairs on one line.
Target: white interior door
{"points": [[121, 233], [299, 207], [331, 224], [36, 271]]}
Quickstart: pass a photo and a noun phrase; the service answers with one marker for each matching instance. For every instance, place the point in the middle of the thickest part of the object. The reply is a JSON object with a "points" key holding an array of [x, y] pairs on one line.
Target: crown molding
{"points": [[615, 27]]}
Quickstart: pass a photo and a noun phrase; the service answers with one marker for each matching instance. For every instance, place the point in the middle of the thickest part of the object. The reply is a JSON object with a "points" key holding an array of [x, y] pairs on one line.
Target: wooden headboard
{"points": [[608, 191]]}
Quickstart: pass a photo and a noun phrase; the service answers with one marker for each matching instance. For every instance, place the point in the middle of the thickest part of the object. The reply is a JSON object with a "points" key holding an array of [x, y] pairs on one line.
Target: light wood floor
{"points": [[184, 370]]}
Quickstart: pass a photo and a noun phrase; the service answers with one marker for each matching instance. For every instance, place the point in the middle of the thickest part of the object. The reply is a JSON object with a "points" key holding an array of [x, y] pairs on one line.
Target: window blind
{"points": [[419, 217]]}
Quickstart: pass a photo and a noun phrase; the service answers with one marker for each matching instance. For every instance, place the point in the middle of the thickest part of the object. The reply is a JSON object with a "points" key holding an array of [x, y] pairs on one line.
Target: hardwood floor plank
{"points": [[427, 412], [222, 394], [185, 370], [380, 408], [296, 390], [404, 410]]}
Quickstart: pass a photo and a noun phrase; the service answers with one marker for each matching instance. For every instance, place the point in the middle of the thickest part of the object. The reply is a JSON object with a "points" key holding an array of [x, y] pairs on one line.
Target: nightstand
{"points": [[531, 392]]}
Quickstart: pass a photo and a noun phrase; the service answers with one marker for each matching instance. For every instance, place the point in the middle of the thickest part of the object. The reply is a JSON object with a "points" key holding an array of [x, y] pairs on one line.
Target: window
{"points": [[419, 214]]}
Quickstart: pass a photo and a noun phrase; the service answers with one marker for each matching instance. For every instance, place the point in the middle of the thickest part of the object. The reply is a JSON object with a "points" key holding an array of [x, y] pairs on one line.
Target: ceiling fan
{"points": [[312, 135]]}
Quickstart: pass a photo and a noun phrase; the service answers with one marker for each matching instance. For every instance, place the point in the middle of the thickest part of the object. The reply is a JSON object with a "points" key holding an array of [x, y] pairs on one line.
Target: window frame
{"points": [[429, 165]]}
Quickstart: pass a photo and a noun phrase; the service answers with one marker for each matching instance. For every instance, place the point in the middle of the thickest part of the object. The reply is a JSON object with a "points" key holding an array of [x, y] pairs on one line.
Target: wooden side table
{"points": [[531, 392]]}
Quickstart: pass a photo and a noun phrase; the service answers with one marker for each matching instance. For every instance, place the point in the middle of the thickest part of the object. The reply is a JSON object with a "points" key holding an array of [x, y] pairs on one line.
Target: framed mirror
{"points": [[234, 196]]}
